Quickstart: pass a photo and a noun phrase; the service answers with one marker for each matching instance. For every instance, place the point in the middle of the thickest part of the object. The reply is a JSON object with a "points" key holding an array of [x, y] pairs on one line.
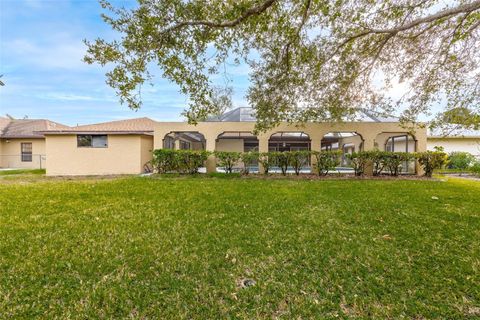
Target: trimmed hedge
{"points": [[281, 160], [227, 159], [266, 161], [182, 161], [432, 160], [189, 161], [393, 161], [249, 158], [298, 160], [326, 161], [164, 160], [358, 161]]}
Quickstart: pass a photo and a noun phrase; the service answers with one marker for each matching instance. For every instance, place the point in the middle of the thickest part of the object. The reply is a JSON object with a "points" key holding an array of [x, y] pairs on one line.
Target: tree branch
{"points": [[286, 49], [454, 34], [475, 26], [256, 10], [465, 8], [378, 49]]}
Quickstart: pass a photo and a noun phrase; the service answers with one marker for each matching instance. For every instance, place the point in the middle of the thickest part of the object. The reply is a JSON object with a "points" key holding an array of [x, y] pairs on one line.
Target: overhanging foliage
{"points": [[311, 60]]}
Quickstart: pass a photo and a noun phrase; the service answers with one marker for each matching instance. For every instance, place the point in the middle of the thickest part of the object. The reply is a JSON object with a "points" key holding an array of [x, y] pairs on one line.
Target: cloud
{"points": [[59, 52], [65, 96], [41, 59]]}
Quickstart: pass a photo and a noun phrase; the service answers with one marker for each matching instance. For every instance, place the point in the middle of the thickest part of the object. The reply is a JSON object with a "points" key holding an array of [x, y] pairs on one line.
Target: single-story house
{"points": [[116, 147], [22, 145], [124, 147], [458, 140]]}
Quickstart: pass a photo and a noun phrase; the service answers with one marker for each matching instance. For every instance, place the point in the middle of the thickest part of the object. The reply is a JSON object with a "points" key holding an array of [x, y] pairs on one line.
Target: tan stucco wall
{"points": [[229, 145], [471, 145], [124, 155], [127, 154], [211, 130], [11, 153]]}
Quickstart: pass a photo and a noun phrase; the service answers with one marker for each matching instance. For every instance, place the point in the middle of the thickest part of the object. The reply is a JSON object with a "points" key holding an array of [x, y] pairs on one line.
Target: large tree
{"points": [[311, 60]]}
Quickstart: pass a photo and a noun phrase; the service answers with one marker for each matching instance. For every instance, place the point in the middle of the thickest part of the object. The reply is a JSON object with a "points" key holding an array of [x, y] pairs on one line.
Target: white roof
{"points": [[454, 133], [247, 114]]}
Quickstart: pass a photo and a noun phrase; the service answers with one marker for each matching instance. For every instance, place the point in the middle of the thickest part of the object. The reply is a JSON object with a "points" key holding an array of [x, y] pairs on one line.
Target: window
{"points": [[403, 143], [169, 143], [184, 145], [26, 152], [250, 146], [92, 141]]}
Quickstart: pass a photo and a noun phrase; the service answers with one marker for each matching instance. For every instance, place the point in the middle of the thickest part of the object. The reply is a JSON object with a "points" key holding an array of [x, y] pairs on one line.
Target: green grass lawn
{"points": [[21, 171], [179, 247]]}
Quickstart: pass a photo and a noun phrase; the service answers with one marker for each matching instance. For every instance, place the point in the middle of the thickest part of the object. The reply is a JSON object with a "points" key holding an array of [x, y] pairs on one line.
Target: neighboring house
{"points": [[21, 144], [124, 147], [464, 140], [117, 147]]}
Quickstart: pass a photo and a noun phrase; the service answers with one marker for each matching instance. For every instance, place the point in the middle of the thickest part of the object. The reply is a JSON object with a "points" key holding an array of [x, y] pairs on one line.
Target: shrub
{"points": [[281, 159], [358, 161], [475, 168], [227, 159], [378, 159], [326, 160], [183, 161], [393, 161], [189, 161], [164, 160], [298, 159], [248, 159], [460, 160], [267, 161], [431, 160]]}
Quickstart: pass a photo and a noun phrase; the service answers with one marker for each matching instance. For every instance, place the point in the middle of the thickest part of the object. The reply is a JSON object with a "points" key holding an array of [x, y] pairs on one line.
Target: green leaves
{"points": [[182, 161], [460, 160], [249, 159], [358, 161], [310, 60], [326, 161], [431, 160], [227, 159]]}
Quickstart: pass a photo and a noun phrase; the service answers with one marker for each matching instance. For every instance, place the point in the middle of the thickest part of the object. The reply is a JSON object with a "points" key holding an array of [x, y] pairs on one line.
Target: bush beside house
{"points": [[475, 169], [189, 161], [460, 160], [181, 161]]}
